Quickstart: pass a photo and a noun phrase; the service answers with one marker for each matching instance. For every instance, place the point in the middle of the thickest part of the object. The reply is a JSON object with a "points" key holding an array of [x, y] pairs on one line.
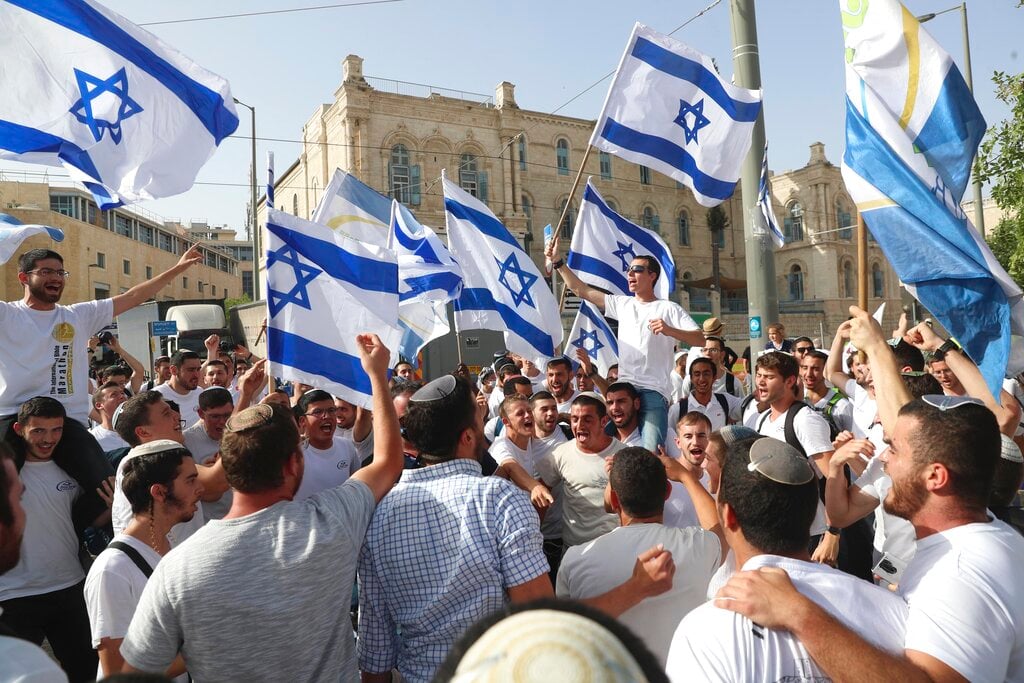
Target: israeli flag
{"points": [[590, 332], [127, 115], [767, 221], [912, 130], [13, 232], [323, 289], [427, 271], [668, 109], [503, 290], [604, 243], [353, 208]]}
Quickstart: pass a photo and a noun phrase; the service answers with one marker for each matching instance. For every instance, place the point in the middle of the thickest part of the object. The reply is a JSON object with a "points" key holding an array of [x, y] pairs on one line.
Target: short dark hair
{"points": [[30, 258], [602, 409], [215, 397], [182, 355], [652, 264], [142, 471], [803, 339], [561, 360], [510, 387], [921, 384], [787, 530], [938, 356], [41, 406], [542, 395], [254, 458], [402, 388], [817, 355], [401, 363], [964, 439], [434, 427], [639, 480], [116, 369], [622, 386], [135, 414], [908, 355], [97, 395], [703, 360], [783, 363], [161, 359], [715, 338], [314, 396], [6, 511], [215, 361]]}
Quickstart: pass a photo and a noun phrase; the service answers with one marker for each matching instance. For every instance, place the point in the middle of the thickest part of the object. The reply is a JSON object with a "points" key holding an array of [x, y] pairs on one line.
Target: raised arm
{"points": [[600, 382], [703, 503], [381, 474], [846, 503], [652, 575], [890, 391], [138, 372], [834, 365], [578, 286], [147, 290]]}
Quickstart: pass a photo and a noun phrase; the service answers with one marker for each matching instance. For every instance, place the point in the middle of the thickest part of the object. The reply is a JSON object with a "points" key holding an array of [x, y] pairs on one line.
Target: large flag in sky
{"points": [[13, 232], [126, 114], [323, 289], [354, 209], [912, 130], [604, 243], [590, 332], [768, 222], [668, 109], [503, 290]]}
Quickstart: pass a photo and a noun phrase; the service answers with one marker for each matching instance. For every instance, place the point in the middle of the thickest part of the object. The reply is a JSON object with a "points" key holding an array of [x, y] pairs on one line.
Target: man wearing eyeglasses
{"points": [[330, 461], [43, 352], [648, 330]]}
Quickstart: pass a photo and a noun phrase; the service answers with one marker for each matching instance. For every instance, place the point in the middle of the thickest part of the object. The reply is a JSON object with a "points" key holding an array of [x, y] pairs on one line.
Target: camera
{"points": [[226, 347], [106, 337]]}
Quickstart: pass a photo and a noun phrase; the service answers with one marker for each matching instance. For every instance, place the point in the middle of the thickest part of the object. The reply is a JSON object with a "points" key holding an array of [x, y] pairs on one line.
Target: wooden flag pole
{"points": [[862, 263]]}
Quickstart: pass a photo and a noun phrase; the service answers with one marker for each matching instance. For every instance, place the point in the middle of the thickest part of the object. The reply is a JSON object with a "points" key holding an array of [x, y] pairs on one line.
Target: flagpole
{"points": [[862, 263], [572, 193]]}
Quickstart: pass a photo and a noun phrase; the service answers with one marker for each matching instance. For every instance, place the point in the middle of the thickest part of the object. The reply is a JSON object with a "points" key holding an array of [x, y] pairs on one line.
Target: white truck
{"points": [[195, 319]]}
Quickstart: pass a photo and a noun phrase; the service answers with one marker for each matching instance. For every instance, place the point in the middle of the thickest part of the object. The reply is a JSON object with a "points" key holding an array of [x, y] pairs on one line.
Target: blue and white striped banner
{"points": [[126, 114], [322, 290], [13, 232], [764, 205], [669, 110], [503, 290], [590, 332], [604, 243]]}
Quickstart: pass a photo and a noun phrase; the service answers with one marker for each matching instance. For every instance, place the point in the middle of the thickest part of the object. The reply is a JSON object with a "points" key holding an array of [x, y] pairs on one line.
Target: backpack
{"points": [[789, 430], [684, 405], [730, 383], [827, 411]]}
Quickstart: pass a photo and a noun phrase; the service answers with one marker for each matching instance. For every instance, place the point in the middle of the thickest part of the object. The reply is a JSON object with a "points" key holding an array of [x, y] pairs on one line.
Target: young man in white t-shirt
{"points": [[183, 387], [623, 410], [203, 440], [106, 399], [714, 644], [162, 485], [638, 488], [693, 433], [648, 330], [721, 408], [329, 460], [548, 435]]}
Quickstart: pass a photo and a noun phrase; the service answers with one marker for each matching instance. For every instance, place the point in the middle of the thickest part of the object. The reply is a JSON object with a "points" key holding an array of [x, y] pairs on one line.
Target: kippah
{"points": [[591, 394], [156, 446], [548, 645], [780, 462], [442, 387], [256, 416], [732, 433], [1010, 450]]}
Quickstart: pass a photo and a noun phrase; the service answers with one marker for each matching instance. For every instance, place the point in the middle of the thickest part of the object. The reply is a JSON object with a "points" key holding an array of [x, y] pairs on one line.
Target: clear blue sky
{"points": [[288, 64]]}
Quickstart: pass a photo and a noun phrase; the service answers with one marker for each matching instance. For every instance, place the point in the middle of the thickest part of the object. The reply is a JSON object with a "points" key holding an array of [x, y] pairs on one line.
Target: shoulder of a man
{"points": [[812, 430], [711, 644]]}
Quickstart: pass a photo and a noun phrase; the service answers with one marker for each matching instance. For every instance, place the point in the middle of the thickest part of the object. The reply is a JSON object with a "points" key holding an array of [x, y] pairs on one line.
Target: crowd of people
{"points": [[852, 514]]}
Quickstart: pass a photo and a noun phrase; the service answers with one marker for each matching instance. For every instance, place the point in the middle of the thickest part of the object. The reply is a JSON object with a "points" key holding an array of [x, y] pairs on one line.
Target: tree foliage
{"points": [[717, 218]]}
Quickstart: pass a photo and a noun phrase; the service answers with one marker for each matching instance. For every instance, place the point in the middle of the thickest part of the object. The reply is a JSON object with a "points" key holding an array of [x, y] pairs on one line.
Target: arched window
{"points": [[794, 222], [522, 153], [612, 205], [877, 281], [401, 180], [562, 156], [796, 283], [844, 222], [468, 178], [684, 229], [848, 280], [570, 219], [650, 220]]}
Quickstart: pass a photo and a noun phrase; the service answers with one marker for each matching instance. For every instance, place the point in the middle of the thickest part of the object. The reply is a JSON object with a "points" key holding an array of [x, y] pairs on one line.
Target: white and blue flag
{"points": [[502, 289], [912, 130], [13, 232], [353, 208], [591, 332], [323, 289], [668, 109], [767, 220], [126, 114], [604, 243], [270, 180]]}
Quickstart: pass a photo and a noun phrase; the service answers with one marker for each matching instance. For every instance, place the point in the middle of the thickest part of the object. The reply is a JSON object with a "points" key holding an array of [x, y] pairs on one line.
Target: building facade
{"points": [[397, 137], [108, 252]]}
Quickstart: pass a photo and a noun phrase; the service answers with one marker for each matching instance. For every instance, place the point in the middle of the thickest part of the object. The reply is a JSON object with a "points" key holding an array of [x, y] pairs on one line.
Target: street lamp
{"points": [[255, 222], [979, 214]]}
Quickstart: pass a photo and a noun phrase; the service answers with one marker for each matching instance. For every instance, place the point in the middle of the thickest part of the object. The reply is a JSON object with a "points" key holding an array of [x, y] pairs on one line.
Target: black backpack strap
{"points": [[730, 383], [790, 430], [684, 405], [746, 402], [134, 556], [722, 401], [764, 416]]}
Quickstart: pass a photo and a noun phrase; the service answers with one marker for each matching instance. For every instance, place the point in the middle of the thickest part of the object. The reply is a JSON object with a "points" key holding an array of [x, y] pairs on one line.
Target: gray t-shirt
{"points": [[262, 597]]}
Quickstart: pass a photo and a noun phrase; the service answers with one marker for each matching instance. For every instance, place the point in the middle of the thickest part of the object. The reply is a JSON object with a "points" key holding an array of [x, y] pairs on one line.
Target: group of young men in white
{"points": [[709, 523]]}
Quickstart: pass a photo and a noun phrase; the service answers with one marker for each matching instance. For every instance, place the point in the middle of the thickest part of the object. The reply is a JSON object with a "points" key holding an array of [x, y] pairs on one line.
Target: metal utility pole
{"points": [[762, 297], [255, 220]]}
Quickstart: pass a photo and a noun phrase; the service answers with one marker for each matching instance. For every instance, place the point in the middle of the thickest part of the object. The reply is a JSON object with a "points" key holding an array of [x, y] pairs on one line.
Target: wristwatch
{"points": [[949, 345], [834, 530], [555, 265]]}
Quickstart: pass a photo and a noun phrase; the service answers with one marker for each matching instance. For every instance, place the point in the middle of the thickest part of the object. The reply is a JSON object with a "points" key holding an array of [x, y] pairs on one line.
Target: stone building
{"points": [[398, 137]]}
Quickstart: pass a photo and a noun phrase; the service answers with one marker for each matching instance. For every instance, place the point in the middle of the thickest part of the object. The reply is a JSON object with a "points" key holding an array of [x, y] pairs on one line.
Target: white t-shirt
{"points": [[566, 405], [842, 411], [48, 559], [966, 600], [43, 353], [503, 449], [189, 403], [720, 385], [121, 512], [327, 468], [713, 410], [364, 448], [583, 478], [113, 588], [865, 409], [679, 509], [678, 387], [26, 662], [645, 358], [893, 535], [604, 563], [108, 439], [203, 448], [634, 438], [715, 644]]}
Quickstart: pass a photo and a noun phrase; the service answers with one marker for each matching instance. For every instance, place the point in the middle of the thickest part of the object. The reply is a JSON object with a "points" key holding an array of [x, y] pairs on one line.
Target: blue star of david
{"points": [[526, 280], [699, 120], [304, 274], [621, 253], [90, 87], [585, 336]]}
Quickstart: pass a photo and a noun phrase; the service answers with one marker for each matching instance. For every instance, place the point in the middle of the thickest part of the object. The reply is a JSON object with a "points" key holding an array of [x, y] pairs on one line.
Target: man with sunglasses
{"points": [[330, 460], [648, 330]]}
